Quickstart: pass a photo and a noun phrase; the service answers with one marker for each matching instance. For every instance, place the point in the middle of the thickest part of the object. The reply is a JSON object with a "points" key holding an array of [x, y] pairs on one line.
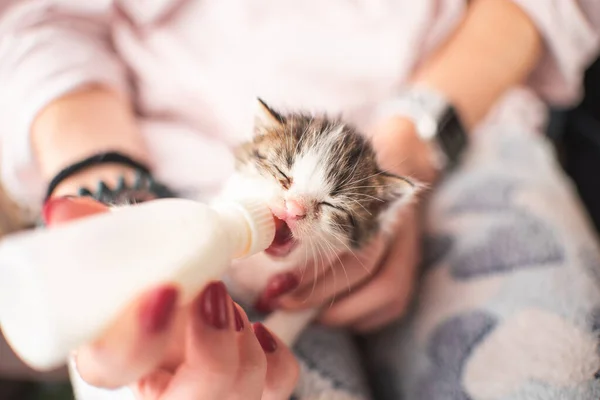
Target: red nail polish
{"points": [[265, 305], [61, 209], [281, 284], [266, 340], [213, 304], [276, 287], [50, 205], [157, 312], [239, 321]]}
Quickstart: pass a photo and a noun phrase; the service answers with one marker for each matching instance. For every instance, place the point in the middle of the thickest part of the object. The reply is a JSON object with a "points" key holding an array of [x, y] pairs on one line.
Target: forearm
{"points": [[82, 124], [495, 47]]}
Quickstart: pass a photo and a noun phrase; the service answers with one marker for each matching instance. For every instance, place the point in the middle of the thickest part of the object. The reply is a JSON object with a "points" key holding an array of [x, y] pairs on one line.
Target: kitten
{"points": [[322, 182]]}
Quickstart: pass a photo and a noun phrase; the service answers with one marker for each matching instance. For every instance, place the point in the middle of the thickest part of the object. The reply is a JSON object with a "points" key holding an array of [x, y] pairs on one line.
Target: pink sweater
{"points": [[194, 68]]}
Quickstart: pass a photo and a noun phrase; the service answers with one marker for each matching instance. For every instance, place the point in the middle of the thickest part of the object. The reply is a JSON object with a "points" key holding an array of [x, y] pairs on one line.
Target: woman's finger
{"points": [[253, 362], [363, 302], [321, 280], [387, 314], [152, 386], [59, 210], [135, 343], [282, 368], [212, 355], [343, 277], [330, 262], [368, 307]]}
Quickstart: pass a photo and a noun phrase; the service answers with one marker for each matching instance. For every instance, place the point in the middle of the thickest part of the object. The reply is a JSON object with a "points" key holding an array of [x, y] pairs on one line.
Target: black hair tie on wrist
{"points": [[144, 187]]}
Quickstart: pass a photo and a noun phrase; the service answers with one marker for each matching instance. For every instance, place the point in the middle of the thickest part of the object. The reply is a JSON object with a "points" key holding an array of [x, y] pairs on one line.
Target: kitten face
{"points": [[321, 179]]}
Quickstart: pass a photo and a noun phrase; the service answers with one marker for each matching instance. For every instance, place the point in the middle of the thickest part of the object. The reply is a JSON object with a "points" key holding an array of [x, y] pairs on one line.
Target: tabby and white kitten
{"points": [[321, 180]]}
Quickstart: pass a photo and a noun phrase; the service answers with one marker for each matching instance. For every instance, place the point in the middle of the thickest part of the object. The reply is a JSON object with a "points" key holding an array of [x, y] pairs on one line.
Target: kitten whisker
{"points": [[367, 187], [328, 261], [316, 269], [323, 255], [365, 178], [355, 165], [364, 195], [305, 263], [333, 269], [323, 260], [351, 252], [363, 207]]}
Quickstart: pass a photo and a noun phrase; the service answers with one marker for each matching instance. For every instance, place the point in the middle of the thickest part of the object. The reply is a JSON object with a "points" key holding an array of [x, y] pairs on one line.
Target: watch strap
{"points": [[436, 122], [451, 137]]}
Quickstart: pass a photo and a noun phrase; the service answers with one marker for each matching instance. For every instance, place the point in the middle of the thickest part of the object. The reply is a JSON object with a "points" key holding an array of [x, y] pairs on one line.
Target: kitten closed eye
{"points": [[284, 180], [258, 156], [326, 204]]}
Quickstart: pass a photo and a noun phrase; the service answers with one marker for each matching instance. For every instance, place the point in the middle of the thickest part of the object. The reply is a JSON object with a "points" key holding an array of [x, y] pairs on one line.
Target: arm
{"points": [[81, 124], [498, 45], [65, 94], [56, 105]]}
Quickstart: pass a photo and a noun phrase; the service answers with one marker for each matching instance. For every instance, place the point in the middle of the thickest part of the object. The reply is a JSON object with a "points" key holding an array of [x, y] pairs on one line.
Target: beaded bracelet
{"points": [[144, 187]]}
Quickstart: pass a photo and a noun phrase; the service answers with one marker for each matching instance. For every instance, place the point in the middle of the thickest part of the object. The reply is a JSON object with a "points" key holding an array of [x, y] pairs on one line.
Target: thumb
{"points": [[58, 210]]}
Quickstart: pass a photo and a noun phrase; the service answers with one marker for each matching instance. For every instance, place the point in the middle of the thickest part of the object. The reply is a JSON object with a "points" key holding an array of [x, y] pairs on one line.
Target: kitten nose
{"points": [[294, 209]]}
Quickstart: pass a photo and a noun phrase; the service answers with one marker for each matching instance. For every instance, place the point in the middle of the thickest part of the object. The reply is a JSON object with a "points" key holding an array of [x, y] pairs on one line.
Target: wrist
{"points": [[438, 134], [108, 177], [91, 177], [401, 150], [81, 124], [495, 47]]}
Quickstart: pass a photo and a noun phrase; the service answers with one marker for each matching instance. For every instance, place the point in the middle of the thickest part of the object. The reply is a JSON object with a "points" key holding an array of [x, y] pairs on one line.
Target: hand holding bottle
{"points": [[207, 349]]}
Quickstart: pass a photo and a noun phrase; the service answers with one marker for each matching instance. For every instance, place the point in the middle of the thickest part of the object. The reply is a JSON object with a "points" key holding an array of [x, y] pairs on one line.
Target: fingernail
{"points": [[266, 340], [239, 321], [59, 209], [265, 305], [276, 287], [158, 310], [281, 284], [213, 304], [50, 206]]}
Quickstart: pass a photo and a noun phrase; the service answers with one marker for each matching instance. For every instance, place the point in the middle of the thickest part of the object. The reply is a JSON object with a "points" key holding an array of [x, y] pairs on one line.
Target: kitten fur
{"points": [[332, 170], [328, 166]]}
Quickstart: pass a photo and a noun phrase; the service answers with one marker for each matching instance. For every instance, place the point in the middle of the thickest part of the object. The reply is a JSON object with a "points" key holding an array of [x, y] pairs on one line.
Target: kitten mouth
{"points": [[284, 241]]}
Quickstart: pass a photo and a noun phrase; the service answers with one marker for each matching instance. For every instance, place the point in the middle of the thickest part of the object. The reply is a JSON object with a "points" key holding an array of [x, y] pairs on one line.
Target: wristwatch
{"points": [[436, 122]]}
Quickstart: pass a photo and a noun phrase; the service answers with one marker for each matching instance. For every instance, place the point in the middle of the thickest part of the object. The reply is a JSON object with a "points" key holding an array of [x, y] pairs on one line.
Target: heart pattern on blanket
{"points": [[548, 348]]}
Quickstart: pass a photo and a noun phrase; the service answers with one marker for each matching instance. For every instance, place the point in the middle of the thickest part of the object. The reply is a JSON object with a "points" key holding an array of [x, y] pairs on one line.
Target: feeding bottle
{"points": [[62, 287]]}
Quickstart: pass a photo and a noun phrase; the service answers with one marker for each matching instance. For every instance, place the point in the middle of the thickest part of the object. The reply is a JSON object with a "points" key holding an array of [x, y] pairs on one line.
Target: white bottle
{"points": [[62, 287]]}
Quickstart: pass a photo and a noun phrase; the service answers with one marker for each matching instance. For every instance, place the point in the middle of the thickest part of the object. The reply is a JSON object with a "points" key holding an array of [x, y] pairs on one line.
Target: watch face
{"points": [[435, 119], [452, 137]]}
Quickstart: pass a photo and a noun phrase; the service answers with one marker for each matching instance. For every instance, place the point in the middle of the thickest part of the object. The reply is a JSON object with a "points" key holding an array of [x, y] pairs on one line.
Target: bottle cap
{"points": [[260, 222]]}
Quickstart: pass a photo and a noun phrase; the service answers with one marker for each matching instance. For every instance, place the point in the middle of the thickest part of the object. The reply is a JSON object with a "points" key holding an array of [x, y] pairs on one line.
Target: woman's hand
{"points": [[206, 350], [369, 289]]}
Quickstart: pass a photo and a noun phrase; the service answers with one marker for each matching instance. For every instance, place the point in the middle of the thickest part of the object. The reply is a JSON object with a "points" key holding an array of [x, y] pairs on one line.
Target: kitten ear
{"points": [[397, 188], [265, 117], [396, 192]]}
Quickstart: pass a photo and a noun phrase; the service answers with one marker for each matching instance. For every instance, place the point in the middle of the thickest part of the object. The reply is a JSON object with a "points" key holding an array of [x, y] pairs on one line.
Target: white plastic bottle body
{"points": [[50, 304]]}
